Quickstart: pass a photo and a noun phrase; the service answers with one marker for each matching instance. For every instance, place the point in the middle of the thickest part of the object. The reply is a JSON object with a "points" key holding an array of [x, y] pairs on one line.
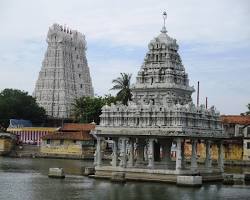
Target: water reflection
{"points": [[26, 179]]}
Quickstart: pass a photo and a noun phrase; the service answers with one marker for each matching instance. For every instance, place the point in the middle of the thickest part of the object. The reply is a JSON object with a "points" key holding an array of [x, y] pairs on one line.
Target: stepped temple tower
{"points": [[150, 132], [65, 73]]}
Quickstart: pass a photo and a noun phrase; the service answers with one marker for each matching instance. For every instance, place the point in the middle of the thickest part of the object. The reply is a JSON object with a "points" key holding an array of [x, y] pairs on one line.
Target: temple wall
{"points": [[231, 152]]}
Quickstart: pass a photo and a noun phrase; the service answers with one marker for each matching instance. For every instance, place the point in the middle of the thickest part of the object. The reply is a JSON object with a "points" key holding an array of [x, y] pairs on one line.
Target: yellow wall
{"points": [[231, 151], [6, 145], [68, 147], [246, 152]]}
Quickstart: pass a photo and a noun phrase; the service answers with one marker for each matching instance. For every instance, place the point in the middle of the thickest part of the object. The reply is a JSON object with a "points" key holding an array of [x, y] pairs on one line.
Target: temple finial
{"points": [[164, 15]]}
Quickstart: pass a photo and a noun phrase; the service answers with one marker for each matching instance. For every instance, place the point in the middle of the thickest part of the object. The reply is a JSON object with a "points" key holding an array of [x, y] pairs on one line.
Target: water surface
{"points": [[26, 179]]}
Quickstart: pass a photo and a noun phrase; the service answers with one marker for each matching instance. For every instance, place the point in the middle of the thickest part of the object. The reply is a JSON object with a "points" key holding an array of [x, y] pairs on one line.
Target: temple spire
{"points": [[164, 15]]}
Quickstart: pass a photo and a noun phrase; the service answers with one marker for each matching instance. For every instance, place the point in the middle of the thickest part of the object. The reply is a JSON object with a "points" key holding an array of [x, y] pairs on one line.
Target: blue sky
{"points": [[214, 40]]}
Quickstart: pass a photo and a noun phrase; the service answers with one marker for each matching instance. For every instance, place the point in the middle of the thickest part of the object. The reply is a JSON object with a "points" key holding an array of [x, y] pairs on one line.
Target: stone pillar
{"points": [[123, 153], [194, 155], [166, 151], [131, 153], [208, 160], [220, 156], [183, 154], [145, 155], [140, 152], [114, 155], [178, 162], [151, 153], [98, 153]]}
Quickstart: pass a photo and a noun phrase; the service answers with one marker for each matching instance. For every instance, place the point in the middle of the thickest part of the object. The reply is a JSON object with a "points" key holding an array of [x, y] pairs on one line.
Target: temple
{"points": [[158, 121], [65, 73]]}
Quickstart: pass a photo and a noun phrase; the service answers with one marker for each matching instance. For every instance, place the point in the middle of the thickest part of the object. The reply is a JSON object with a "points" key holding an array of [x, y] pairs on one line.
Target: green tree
{"points": [[248, 112], [19, 105], [122, 84], [88, 109]]}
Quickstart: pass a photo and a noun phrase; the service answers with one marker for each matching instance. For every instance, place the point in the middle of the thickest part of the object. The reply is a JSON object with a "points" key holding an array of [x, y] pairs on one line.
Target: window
{"points": [[48, 141], [79, 75], [61, 142], [240, 130], [248, 131], [74, 141], [248, 145], [81, 86], [88, 143], [78, 65]]}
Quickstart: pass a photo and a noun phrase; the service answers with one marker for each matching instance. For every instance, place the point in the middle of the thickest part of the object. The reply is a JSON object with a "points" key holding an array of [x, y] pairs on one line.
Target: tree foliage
{"points": [[19, 105], [248, 112], [89, 109], [122, 84]]}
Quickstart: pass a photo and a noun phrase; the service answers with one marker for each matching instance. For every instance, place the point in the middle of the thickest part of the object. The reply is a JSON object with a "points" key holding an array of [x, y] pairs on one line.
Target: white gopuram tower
{"points": [[65, 73]]}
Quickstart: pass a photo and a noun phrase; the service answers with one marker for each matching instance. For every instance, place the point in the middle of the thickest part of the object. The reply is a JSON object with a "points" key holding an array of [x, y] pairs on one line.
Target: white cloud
{"points": [[209, 29], [133, 22]]}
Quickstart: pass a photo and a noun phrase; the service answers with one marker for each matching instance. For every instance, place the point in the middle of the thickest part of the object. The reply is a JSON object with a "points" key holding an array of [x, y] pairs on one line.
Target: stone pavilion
{"points": [[158, 121]]}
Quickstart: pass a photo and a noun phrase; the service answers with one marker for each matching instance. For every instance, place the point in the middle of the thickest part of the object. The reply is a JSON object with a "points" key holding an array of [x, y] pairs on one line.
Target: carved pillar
{"points": [[194, 155], [183, 154], [131, 153], [123, 155], [151, 153], [220, 156], [140, 152], [208, 160], [114, 155], [98, 153], [145, 150], [178, 162]]}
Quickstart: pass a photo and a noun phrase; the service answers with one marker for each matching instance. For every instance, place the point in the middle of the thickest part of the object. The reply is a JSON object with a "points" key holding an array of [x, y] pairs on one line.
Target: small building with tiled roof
{"points": [[238, 128], [78, 127], [236, 125], [73, 140]]}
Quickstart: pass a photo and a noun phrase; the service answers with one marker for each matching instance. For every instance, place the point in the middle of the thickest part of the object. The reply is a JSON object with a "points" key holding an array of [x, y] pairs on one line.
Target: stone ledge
{"points": [[189, 180]]}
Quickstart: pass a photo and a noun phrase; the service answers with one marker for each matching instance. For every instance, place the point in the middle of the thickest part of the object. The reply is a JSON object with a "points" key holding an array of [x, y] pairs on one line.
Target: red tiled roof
{"points": [[236, 119], [79, 135], [77, 127]]}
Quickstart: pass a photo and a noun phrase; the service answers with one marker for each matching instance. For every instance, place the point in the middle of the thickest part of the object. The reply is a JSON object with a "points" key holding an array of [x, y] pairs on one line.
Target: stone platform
{"points": [[156, 175]]}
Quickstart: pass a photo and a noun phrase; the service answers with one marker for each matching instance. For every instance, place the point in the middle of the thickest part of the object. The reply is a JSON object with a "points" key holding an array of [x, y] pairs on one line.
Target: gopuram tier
{"points": [[64, 75]]}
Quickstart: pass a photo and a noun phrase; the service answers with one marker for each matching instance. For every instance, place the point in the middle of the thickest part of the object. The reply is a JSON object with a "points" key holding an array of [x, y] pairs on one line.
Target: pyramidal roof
{"points": [[162, 77]]}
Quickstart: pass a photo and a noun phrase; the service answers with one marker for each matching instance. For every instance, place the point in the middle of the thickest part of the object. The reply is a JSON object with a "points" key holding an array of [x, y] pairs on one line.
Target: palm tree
{"points": [[122, 84]]}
